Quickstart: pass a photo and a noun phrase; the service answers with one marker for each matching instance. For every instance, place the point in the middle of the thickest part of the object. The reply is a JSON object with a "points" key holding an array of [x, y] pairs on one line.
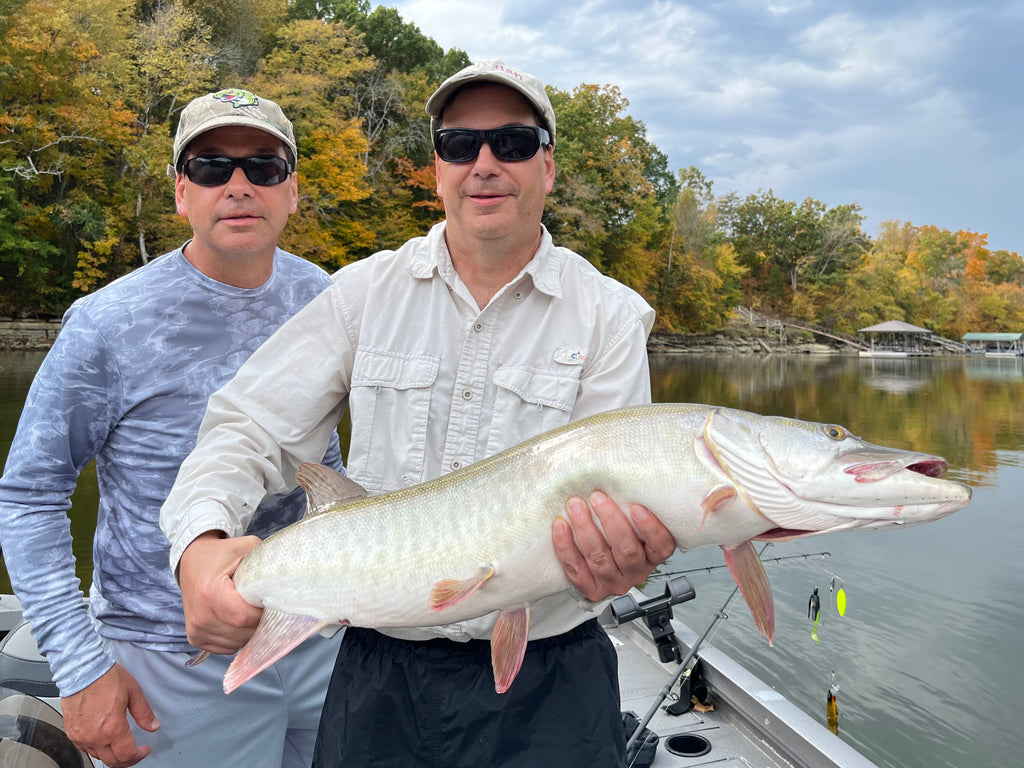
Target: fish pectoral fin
{"points": [[325, 486], [715, 498], [278, 632], [449, 592], [746, 568], [508, 646]]}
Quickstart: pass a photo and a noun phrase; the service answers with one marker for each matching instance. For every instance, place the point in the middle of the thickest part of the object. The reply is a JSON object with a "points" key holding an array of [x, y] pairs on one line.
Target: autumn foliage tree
{"points": [[91, 92]]}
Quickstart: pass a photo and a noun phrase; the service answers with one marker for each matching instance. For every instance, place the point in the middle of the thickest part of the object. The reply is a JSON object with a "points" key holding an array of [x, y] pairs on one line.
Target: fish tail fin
{"points": [[278, 632], [508, 646], [746, 568]]}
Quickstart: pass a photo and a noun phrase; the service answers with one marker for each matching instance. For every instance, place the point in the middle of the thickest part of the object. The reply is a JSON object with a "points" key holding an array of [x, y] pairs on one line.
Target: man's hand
{"points": [[603, 565], [217, 619], [95, 719]]}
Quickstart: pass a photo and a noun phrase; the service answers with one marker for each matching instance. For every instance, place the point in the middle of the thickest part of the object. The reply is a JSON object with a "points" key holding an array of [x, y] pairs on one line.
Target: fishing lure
{"points": [[814, 613], [832, 709]]}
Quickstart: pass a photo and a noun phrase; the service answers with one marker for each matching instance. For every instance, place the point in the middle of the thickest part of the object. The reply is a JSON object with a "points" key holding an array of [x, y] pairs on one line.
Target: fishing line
{"points": [[835, 588]]}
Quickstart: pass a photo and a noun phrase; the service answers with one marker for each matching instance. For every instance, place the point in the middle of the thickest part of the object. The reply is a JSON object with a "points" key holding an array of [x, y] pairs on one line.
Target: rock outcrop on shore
{"points": [[740, 338], [736, 339]]}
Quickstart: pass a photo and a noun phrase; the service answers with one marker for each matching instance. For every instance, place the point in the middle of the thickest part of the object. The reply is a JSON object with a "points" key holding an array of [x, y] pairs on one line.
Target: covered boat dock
{"points": [[895, 338], [994, 344]]}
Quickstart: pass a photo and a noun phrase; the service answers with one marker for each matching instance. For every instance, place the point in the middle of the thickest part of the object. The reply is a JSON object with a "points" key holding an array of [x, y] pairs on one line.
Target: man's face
{"points": [[239, 218], [486, 198]]}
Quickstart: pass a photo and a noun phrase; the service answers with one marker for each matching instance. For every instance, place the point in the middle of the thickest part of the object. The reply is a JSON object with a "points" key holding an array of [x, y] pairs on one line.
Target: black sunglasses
{"points": [[509, 144], [261, 170]]}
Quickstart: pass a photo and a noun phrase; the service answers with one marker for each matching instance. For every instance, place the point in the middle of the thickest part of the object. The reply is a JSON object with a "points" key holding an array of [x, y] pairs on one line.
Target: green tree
{"points": [[311, 73], [605, 203], [64, 124], [700, 284]]}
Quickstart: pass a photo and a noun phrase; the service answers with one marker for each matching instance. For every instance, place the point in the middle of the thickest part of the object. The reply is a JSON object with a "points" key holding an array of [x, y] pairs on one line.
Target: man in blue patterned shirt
{"points": [[126, 384]]}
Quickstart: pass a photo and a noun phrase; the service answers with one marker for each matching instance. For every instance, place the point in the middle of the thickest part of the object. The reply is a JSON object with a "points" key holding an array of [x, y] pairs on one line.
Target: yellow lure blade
{"points": [[841, 601]]}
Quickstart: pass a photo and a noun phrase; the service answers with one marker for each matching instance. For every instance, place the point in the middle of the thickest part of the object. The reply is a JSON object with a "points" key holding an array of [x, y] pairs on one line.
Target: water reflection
{"points": [[928, 654], [995, 368], [969, 410]]}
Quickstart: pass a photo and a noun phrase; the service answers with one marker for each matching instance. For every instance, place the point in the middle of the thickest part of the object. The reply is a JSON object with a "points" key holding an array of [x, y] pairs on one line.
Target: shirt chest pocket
{"points": [[390, 403], [528, 401]]}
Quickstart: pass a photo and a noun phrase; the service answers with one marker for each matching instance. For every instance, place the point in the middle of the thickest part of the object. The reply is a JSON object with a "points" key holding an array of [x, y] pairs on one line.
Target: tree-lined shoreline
{"points": [[91, 90]]}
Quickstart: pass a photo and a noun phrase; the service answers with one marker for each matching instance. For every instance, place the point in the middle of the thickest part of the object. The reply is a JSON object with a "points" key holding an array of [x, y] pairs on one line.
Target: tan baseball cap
{"points": [[493, 71], [231, 106]]}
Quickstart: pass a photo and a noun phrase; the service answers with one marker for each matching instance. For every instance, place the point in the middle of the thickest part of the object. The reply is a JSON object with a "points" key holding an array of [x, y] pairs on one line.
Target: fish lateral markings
{"points": [[477, 541]]}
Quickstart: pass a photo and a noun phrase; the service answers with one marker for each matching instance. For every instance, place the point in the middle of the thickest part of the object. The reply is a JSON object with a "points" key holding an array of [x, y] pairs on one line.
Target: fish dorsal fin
{"points": [[325, 486]]}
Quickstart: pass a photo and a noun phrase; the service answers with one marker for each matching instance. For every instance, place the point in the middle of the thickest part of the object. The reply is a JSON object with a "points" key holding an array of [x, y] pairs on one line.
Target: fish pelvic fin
{"points": [[278, 632], [449, 592], [325, 486], [508, 646], [746, 568]]}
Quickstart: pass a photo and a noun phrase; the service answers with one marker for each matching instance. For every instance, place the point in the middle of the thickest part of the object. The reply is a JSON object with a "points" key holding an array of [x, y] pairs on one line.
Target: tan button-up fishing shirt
{"points": [[433, 383]]}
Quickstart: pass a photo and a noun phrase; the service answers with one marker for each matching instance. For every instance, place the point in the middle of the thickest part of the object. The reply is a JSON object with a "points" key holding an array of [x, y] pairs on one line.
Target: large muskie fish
{"points": [[479, 539]]}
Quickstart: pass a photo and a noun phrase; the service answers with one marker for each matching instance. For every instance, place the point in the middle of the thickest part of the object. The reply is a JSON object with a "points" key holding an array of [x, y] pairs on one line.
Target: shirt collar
{"points": [[544, 268]]}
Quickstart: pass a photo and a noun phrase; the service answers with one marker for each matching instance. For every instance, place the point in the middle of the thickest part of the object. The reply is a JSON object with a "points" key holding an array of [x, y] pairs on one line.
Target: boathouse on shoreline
{"points": [[994, 344], [895, 338]]}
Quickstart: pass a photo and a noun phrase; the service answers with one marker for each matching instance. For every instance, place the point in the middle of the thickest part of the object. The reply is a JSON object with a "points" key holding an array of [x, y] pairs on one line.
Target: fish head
{"points": [[807, 478]]}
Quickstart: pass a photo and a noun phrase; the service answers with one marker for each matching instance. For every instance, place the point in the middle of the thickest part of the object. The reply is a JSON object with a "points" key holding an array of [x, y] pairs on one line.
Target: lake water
{"points": [[928, 655]]}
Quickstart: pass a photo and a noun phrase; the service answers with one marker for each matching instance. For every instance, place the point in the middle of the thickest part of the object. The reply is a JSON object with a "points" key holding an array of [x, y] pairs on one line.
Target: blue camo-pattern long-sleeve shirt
{"points": [[126, 383]]}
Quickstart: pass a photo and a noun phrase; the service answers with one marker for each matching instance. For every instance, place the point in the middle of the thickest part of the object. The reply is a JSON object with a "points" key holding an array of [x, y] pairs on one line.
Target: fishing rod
{"points": [[632, 748], [709, 568]]}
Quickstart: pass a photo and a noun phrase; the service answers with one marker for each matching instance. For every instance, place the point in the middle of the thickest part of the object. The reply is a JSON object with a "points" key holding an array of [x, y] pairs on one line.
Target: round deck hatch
{"points": [[687, 745]]}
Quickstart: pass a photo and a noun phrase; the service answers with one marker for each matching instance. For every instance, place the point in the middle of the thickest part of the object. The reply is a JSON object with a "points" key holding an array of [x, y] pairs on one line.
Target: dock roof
{"points": [[992, 336], [893, 326]]}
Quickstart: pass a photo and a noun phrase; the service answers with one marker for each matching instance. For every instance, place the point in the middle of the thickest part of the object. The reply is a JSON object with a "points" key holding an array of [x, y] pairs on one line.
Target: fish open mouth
{"points": [[931, 467], [873, 471]]}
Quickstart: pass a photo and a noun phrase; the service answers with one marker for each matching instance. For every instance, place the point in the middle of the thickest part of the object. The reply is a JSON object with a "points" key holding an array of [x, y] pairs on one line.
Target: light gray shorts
{"points": [[268, 722]]}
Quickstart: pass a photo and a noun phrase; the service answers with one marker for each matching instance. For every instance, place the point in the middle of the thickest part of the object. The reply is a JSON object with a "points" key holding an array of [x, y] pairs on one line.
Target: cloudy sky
{"points": [[913, 109]]}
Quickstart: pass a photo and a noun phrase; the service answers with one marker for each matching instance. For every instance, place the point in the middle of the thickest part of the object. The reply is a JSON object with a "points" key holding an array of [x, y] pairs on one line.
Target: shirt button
{"points": [[478, 327], [456, 464], [467, 394], [518, 294]]}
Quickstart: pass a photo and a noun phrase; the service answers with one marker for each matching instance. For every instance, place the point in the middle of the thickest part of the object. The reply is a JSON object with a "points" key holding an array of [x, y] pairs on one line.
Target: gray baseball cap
{"points": [[493, 71], [231, 106]]}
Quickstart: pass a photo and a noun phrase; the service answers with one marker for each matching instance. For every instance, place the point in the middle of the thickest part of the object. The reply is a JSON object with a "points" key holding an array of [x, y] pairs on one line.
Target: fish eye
{"points": [[835, 432]]}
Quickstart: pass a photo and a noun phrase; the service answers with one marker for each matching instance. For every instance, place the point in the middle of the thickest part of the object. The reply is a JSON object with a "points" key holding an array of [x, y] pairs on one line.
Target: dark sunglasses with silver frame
{"points": [[261, 170], [509, 144]]}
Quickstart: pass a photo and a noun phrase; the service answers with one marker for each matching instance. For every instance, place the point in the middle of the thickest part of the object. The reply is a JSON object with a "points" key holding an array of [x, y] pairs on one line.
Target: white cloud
{"points": [[907, 109]]}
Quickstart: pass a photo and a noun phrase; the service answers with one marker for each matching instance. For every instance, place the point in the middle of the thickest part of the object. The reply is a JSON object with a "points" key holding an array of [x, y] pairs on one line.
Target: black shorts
{"points": [[432, 704]]}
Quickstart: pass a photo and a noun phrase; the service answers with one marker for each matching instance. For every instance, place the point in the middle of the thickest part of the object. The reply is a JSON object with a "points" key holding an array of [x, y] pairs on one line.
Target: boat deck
{"points": [[746, 725], [750, 726]]}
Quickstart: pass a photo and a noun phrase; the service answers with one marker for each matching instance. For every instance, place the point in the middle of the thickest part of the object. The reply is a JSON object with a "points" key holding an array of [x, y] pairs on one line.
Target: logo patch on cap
{"points": [[237, 97]]}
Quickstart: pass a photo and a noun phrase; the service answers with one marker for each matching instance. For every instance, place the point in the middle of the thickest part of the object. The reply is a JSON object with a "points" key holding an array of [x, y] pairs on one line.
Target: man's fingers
{"points": [[619, 535], [591, 541], [125, 752], [140, 711], [607, 556], [659, 543], [569, 555]]}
